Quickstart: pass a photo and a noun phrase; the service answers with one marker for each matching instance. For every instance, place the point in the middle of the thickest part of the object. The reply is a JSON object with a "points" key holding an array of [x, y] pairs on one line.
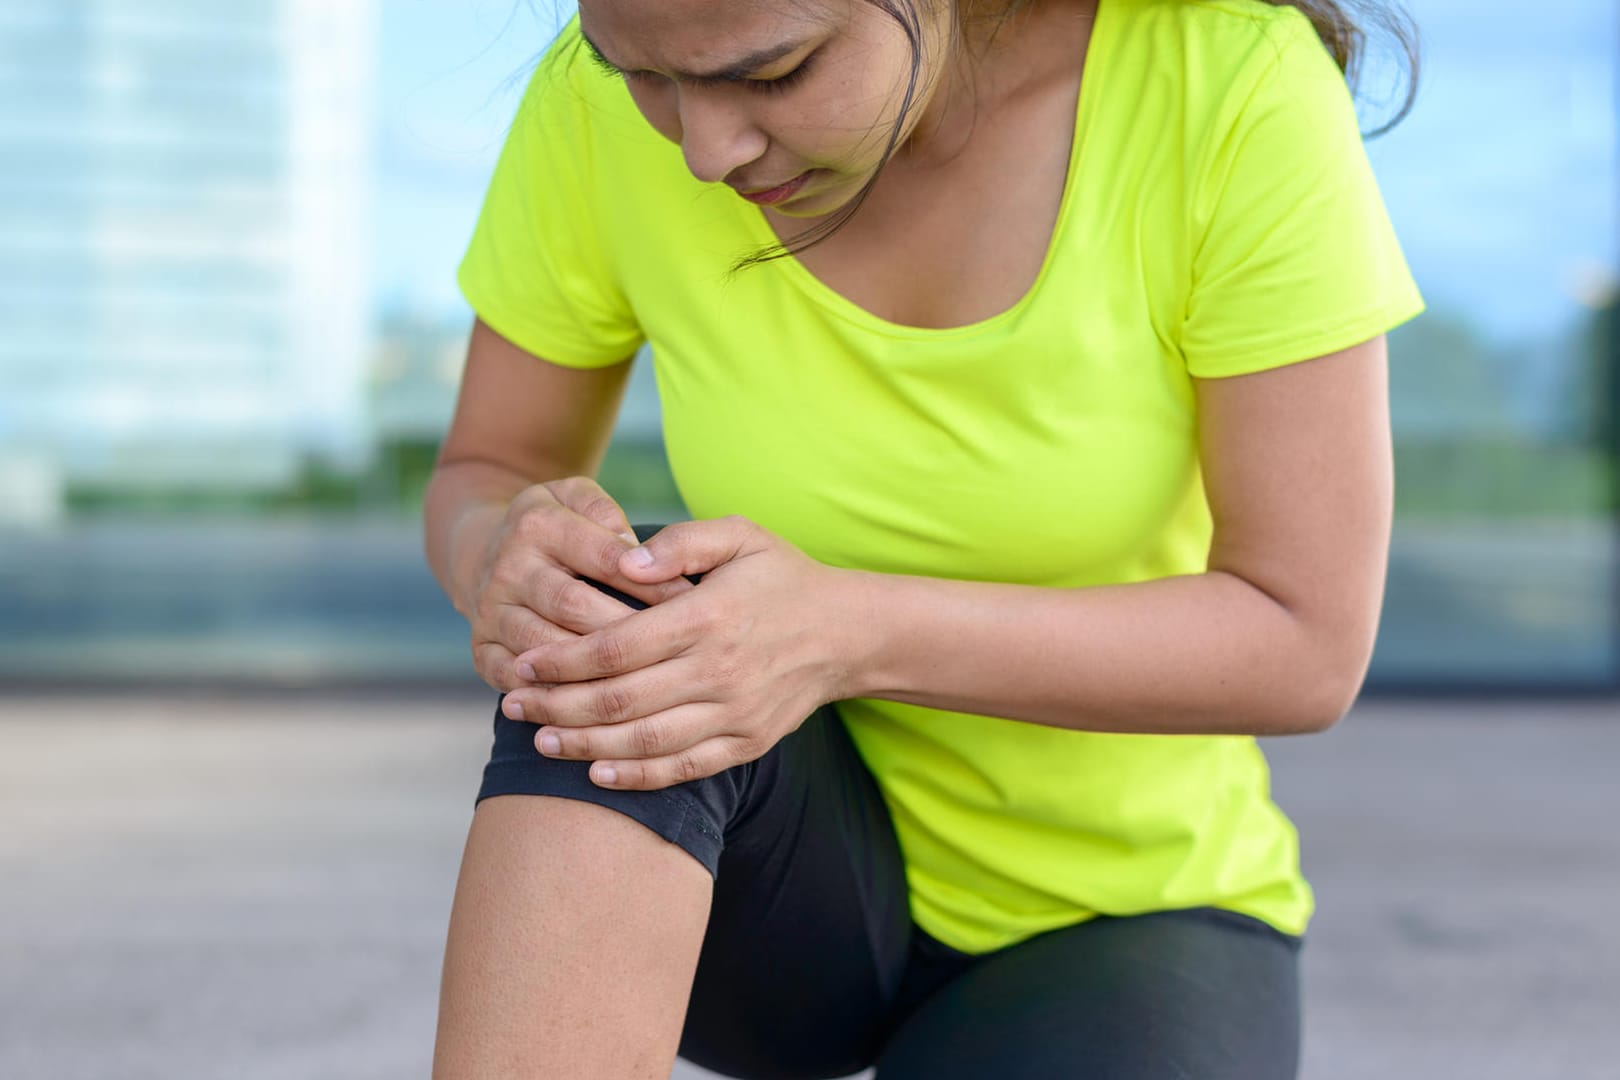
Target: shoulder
{"points": [[1214, 50], [1235, 29], [1224, 78]]}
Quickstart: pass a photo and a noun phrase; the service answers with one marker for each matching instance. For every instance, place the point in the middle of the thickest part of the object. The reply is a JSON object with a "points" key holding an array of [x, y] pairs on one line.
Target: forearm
{"points": [[463, 506], [1201, 654]]}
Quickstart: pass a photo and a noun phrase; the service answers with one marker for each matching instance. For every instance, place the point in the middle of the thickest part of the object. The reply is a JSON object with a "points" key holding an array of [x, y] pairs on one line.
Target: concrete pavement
{"points": [[196, 886]]}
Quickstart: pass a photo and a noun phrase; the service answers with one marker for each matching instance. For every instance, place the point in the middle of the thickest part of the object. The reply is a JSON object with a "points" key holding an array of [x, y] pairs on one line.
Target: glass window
{"points": [[230, 337], [1503, 185]]}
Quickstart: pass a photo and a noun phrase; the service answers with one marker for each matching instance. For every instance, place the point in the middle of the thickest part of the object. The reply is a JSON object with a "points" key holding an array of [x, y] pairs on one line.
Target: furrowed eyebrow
{"points": [[737, 71]]}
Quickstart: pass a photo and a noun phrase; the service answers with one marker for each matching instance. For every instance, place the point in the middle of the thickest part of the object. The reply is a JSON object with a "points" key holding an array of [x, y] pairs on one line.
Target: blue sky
{"points": [[1502, 184], [449, 79]]}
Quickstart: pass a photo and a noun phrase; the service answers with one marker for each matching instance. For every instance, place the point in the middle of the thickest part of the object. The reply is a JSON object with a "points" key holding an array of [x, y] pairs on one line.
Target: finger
{"points": [[705, 759], [553, 536], [564, 600], [641, 640], [565, 538], [585, 497], [521, 628], [692, 547], [607, 702], [494, 664]]}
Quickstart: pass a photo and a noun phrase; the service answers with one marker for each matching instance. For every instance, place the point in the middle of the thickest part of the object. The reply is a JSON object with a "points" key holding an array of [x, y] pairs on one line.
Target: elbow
{"points": [[1325, 706], [1326, 688]]}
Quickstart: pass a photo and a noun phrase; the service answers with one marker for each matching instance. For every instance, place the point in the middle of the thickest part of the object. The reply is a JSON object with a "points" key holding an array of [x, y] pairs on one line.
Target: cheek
{"points": [[861, 107]]}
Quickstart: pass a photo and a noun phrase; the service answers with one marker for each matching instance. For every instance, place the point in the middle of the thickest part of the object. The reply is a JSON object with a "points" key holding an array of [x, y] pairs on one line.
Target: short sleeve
{"points": [[1294, 255], [537, 270]]}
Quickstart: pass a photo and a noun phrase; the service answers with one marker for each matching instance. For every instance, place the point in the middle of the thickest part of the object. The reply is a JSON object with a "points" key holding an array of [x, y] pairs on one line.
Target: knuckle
{"points": [[572, 598], [598, 506], [530, 521], [686, 767], [612, 705], [579, 743], [607, 652], [571, 486], [507, 581], [542, 707], [506, 567], [545, 669], [503, 574], [607, 557], [533, 634], [649, 738], [536, 521]]}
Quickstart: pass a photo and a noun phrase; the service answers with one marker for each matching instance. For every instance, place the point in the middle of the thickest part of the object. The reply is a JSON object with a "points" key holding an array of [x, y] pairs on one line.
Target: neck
{"points": [[998, 50]]}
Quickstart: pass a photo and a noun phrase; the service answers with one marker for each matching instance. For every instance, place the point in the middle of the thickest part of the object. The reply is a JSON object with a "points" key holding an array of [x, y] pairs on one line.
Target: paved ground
{"points": [[196, 887]]}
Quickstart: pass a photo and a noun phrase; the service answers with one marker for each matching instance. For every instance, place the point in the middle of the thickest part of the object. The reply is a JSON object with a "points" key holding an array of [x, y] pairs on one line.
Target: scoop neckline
{"points": [[837, 302]]}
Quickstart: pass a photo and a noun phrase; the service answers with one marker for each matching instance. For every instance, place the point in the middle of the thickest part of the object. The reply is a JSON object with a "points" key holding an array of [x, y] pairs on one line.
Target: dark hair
{"points": [[1341, 24]]}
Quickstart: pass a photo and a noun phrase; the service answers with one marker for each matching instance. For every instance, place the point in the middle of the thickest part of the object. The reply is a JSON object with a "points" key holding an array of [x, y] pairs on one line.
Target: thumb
{"points": [[690, 547]]}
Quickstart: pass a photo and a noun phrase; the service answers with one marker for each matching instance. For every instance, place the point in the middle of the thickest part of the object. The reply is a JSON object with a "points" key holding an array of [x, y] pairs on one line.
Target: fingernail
{"points": [[514, 709], [640, 556], [605, 774], [630, 536], [550, 744], [527, 671]]}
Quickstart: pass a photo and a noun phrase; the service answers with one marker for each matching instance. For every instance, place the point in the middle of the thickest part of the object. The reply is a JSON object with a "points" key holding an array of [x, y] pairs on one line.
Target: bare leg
{"points": [[573, 940]]}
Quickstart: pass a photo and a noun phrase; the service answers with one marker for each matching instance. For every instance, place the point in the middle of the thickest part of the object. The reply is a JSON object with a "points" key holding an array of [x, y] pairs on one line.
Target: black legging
{"points": [[812, 967]]}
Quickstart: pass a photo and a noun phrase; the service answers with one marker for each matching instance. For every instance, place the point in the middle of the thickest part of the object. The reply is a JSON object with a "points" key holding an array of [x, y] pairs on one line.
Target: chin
{"points": [[818, 203]]}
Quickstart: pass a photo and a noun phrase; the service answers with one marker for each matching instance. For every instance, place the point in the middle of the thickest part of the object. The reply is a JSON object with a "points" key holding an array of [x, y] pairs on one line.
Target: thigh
{"points": [[809, 931], [809, 925], [1196, 993]]}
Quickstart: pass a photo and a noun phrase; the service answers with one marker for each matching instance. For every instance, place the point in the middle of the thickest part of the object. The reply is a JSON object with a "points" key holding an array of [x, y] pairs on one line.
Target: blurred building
{"points": [[416, 369], [184, 295]]}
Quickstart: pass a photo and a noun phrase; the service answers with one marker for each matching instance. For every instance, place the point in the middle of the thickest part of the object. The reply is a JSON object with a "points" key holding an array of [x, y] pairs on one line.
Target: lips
{"points": [[779, 193]]}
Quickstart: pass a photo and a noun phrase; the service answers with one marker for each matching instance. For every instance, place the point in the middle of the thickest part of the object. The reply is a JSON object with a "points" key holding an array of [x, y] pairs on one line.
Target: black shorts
{"points": [[812, 967]]}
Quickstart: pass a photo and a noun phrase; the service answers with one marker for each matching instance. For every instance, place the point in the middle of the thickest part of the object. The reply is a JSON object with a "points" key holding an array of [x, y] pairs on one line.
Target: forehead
{"points": [[699, 35]]}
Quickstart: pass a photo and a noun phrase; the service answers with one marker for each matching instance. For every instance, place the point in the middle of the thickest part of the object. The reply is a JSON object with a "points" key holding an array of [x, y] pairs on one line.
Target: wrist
{"points": [[469, 545], [858, 629]]}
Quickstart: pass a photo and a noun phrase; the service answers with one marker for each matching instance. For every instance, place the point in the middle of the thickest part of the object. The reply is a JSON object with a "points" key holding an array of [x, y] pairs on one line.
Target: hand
{"points": [[706, 680], [528, 591]]}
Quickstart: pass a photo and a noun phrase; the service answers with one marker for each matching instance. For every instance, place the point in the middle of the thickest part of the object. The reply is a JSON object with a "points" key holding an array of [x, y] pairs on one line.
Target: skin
{"points": [[825, 106], [1274, 638], [716, 676]]}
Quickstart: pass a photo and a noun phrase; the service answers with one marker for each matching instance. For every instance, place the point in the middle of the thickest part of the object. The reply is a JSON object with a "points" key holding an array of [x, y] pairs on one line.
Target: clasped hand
{"points": [[710, 677]]}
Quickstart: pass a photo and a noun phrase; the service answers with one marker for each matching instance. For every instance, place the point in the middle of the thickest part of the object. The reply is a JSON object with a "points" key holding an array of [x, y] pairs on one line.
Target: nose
{"points": [[717, 135]]}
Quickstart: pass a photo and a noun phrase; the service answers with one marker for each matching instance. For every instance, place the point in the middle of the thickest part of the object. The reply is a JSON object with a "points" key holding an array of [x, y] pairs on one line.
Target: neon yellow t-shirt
{"points": [[1219, 217]]}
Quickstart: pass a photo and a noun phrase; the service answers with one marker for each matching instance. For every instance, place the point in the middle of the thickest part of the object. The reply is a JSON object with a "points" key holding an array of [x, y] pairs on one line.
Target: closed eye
{"points": [[783, 83], [599, 60], [779, 84]]}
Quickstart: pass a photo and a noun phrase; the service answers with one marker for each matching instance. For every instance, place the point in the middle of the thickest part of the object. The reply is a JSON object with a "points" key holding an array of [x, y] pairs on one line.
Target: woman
{"points": [[1022, 366]]}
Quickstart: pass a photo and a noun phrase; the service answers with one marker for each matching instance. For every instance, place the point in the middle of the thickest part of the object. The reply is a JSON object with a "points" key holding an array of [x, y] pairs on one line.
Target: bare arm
{"points": [[512, 517], [1274, 638], [518, 421]]}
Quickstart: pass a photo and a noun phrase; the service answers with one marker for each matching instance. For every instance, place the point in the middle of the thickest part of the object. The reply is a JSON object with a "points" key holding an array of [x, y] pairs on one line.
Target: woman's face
{"points": [[789, 101]]}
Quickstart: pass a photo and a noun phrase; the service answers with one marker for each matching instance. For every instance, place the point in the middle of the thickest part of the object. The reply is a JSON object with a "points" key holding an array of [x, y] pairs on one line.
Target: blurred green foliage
{"points": [[636, 472], [1463, 443], [1502, 478], [1476, 477]]}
